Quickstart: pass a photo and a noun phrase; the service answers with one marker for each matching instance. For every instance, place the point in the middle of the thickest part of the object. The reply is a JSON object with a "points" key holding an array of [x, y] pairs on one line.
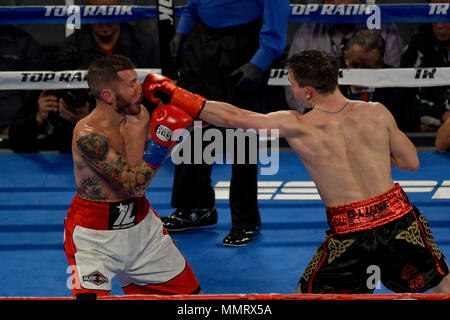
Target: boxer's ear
{"points": [[309, 92], [107, 96]]}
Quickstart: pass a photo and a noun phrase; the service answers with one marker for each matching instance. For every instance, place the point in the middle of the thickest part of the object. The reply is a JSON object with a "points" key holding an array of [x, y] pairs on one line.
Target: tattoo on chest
{"points": [[94, 146], [90, 188]]}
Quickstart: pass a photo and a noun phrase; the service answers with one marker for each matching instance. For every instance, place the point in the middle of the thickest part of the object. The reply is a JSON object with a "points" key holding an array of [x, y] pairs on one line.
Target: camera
{"points": [[74, 98]]}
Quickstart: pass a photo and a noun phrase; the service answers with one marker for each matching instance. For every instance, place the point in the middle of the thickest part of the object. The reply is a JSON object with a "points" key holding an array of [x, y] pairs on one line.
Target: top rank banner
{"points": [[300, 13], [53, 80], [379, 78], [359, 13], [373, 78], [66, 14]]}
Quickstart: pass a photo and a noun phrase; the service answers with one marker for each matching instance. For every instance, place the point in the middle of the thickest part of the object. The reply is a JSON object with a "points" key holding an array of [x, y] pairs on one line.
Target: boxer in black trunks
{"points": [[348, 148]]}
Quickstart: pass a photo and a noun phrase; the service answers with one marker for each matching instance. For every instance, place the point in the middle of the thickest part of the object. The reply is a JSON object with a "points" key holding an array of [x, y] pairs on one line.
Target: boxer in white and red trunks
{"points": [[110, 229]]}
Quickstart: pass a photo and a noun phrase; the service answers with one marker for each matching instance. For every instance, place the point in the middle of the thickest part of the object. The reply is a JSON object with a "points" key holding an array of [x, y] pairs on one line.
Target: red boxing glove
{"points": [[155, 84], [156, 87], [165, 120]]}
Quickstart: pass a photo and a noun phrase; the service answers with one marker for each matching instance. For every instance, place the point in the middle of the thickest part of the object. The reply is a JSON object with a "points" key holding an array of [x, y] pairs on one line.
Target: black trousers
{"points": [[211, 55]]}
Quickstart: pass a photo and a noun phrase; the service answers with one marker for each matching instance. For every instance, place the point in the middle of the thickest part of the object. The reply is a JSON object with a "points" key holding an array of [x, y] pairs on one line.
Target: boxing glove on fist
{"points": [[157, 87], [165, 120]]}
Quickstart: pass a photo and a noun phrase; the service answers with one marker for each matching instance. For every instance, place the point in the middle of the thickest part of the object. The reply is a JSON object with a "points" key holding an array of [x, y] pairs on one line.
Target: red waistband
{"points": [[108, 215], [368, 214]]}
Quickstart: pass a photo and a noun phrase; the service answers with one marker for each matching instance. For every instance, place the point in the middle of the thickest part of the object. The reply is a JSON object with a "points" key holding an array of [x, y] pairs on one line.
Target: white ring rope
{"points": [[38, 80], [379, 78], [373, 78]]}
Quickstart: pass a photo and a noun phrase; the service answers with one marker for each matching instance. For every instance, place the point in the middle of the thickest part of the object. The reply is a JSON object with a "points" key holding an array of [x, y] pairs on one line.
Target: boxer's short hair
{"points": [[102, 73], [316, 69]]}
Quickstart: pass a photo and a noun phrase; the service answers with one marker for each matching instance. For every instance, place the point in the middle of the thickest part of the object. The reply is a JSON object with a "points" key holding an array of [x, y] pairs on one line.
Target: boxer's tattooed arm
{"points": [[113, 166], [134, 180], [94, 146]]}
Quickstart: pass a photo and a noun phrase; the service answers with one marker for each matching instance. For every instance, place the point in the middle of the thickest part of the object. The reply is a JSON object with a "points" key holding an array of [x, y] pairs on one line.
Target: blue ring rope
{"points": [[396, 13]]}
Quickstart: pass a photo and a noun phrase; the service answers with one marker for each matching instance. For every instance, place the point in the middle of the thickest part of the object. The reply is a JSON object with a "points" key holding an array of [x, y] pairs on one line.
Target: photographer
{"points": [[47, 120]]}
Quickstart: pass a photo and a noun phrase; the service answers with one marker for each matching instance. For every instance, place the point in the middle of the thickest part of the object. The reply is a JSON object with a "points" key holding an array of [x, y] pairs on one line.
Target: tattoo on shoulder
{"points": [[94, 146]]}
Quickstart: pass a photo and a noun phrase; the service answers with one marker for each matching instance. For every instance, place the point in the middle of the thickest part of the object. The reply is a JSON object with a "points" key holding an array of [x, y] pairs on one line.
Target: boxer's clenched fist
{"points": [[166, 119], [160, 88]]}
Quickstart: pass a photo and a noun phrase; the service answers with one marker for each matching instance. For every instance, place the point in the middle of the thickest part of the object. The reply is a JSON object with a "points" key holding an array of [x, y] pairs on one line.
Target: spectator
{"points": [[332, 38], [223, 50], [429, 48], [18, 52], [48, 118], [443, 137], [96, 40], [366, 50]]}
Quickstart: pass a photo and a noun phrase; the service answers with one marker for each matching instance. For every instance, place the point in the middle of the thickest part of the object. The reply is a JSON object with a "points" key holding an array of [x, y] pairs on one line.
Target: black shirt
{"points": [[18, 52], [425, 51], [132, 43]]}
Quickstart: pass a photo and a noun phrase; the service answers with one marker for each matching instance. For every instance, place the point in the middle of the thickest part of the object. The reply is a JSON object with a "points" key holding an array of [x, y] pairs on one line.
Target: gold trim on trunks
{"points": [[337, 248]]}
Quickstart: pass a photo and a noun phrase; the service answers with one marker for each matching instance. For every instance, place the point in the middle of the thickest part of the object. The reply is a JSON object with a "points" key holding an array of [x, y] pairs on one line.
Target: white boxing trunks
{"points": [[124, 239]]}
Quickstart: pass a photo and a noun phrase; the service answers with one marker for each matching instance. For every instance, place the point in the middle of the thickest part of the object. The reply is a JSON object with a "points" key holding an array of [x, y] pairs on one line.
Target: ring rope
{"points": [[300, 13], [373, 78]]}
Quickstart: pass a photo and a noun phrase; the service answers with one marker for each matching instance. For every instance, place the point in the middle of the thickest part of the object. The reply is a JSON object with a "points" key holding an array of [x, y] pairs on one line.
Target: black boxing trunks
{"points": [[384, 238], [126, 240]]}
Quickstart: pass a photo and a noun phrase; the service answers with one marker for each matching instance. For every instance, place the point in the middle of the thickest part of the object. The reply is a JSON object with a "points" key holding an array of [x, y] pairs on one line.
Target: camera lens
{"points": [[75, 98]]}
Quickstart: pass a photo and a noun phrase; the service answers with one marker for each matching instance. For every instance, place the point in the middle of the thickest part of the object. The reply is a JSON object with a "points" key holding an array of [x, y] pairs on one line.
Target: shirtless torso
{"points": [[107, 152], [348, 154]]}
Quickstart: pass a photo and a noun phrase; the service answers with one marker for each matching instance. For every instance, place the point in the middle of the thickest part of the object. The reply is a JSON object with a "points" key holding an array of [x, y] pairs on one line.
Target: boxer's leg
{"points": [[156, 265]]}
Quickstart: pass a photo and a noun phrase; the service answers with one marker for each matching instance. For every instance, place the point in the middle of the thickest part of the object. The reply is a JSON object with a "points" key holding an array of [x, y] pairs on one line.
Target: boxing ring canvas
{"points": [[37, 189]]}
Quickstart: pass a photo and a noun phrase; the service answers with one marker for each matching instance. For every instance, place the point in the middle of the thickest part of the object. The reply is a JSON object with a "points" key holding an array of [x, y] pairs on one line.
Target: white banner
{"points": [[378, 78], [38, 80], [373, 78]]}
